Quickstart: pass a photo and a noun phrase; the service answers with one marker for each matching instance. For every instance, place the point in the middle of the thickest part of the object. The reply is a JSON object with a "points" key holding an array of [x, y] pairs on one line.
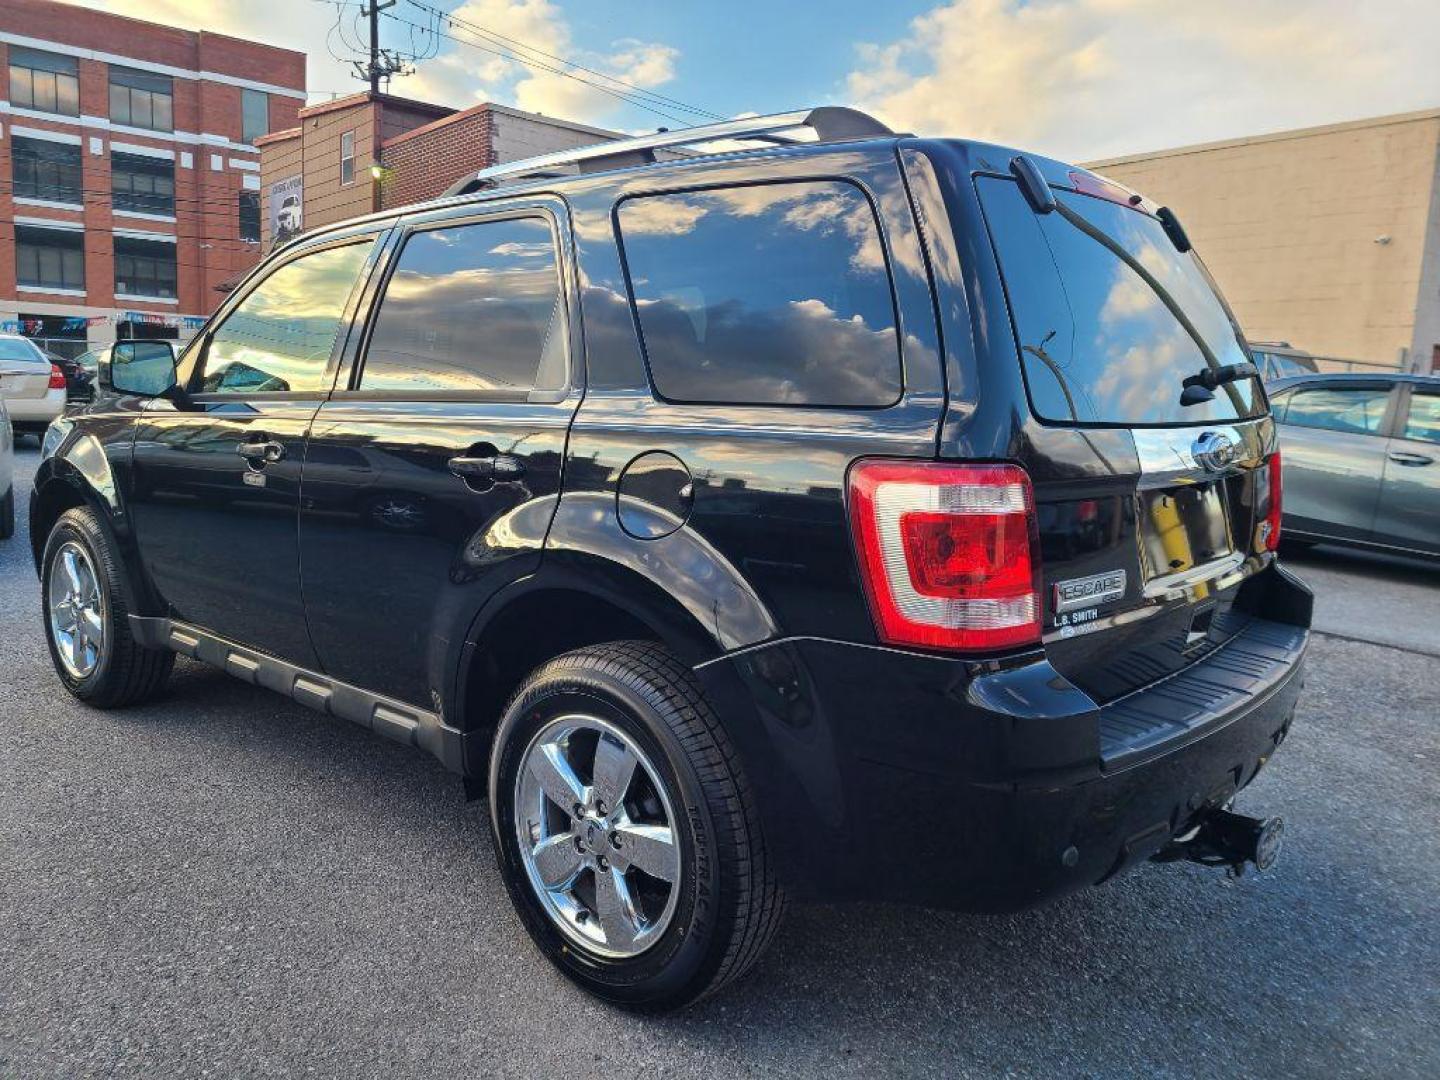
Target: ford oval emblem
{"points": [[1214, 450]]}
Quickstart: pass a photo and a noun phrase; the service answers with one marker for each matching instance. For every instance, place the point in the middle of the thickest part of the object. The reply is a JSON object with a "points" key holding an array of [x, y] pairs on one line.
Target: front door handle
{"points": [[1402, 457], [262, 451], [495, 468]]}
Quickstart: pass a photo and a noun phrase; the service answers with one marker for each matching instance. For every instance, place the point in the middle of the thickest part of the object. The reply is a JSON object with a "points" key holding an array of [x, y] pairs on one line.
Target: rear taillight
{"points": [[57, 378], [949, 554], [1269, 532]]}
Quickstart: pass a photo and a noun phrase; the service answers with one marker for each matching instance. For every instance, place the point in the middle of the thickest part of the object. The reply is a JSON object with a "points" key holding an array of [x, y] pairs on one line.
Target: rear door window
{"points": [[472, 309], [1099, 343], [766, 294], [1358, 410]]}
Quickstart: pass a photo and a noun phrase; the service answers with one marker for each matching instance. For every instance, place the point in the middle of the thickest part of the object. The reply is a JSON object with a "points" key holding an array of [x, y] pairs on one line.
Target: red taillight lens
{"points": [[57, 378], [949, 554], [1269, 538]]}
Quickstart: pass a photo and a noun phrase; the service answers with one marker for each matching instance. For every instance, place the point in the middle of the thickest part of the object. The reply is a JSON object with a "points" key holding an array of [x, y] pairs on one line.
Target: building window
{"points": [[50, 258], [254, 114], [144, 268], [56, 334], [250, 217], [44, 81], [140, 99], [46, 170], [143, 184], [347, 158]]}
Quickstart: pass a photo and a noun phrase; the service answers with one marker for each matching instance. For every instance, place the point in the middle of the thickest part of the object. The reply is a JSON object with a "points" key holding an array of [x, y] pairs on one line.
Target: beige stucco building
{"points": [[1326, 237]]}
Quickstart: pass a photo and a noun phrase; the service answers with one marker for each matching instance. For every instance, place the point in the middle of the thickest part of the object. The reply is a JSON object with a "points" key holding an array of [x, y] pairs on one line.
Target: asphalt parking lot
{"points": [[227, 884]]}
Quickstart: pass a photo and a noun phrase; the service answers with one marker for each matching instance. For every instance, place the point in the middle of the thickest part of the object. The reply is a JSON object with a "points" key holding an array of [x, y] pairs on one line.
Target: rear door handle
{"points": [[1401, 457], [497, 468], [261, 450]]}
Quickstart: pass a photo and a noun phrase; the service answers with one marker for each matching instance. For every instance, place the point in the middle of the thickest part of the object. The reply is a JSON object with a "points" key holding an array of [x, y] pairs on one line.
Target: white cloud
{"points": [[1085, 79], [461, 74], [464, 74]]}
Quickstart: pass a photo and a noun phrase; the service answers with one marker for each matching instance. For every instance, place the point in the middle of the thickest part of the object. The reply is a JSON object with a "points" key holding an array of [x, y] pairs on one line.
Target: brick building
{"points": [[320, 171], [1326, 237], [129, 178]]}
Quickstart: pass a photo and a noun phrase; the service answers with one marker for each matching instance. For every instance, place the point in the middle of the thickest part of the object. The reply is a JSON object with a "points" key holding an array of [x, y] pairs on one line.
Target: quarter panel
{"points": [[768, 481]]}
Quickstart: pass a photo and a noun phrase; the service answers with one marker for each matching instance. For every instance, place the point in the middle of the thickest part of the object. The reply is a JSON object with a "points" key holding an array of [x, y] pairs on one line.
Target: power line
{"points": [[639, 98], [476, 28], [537, 65]]}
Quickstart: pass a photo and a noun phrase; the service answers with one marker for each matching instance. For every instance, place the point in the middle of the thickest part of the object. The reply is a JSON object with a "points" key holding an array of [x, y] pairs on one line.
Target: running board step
{"points": [[391, 719]]}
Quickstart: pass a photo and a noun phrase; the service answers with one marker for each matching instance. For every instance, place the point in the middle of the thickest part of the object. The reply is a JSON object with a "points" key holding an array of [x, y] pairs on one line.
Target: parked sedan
{"points": [[33, 387], [1362, 460], [79, 376], [7, 475]]}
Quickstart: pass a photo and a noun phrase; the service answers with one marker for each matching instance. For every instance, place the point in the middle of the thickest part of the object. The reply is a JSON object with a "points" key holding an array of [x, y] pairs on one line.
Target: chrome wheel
{"points": [[596, 833], [77, 610]]}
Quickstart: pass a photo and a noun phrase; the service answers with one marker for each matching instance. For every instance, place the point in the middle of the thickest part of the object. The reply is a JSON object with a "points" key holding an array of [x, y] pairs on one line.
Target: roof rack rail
{"points": [[830, 123]]}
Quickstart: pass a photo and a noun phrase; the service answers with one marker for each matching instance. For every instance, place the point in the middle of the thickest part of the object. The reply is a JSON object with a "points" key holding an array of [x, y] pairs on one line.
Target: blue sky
{"points": [[748, 55], [1081, 79]]}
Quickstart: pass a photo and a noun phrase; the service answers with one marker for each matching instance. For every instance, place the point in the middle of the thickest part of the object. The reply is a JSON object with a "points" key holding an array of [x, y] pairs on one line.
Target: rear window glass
{"points": [[1098, 342], [770, 294], [18, 349], [1280, 366]]}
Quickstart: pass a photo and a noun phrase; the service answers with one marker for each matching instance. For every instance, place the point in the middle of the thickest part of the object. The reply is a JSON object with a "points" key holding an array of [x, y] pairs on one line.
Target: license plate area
{"points": [[1183, 529]]}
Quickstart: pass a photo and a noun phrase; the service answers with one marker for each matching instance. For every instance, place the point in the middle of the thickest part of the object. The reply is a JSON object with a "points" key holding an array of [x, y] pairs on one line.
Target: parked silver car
{"points": [[1361, 460], [7, 475], [33, 387]]}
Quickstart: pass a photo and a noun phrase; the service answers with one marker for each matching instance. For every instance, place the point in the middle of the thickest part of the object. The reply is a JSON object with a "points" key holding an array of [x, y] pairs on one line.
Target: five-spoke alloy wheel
{"points": [[594, 824], [88, 597], [76, 609]]}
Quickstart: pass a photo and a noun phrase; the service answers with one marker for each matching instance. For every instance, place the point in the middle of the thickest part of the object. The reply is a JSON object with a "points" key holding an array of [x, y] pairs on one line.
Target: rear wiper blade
{"points": [[1201, 386]]}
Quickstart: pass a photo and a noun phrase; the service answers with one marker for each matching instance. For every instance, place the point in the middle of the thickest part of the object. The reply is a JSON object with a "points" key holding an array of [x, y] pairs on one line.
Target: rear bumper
{"points": [[893, 775]]}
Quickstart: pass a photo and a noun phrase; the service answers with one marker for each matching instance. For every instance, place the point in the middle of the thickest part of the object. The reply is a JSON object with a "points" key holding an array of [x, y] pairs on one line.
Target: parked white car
{"points": [[33, 387], [7, 475]]}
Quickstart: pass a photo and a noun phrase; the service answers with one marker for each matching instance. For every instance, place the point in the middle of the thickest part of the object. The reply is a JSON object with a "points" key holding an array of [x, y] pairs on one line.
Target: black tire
{"points": [[126, 672], [728, 903], [7, 514]]}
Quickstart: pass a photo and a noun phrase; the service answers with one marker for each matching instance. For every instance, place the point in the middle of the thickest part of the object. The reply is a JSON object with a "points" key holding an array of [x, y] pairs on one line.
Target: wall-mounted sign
{"points": [[287, 209]]}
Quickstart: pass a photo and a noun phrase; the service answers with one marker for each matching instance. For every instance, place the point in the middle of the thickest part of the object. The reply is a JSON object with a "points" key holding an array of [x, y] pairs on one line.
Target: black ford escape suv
{"points": [[857, 517]]}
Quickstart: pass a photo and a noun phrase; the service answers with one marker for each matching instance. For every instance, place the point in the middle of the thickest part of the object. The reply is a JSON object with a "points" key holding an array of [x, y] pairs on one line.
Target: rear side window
{"points": [[768, 294], [472, 309], [1423, 423], [1358, 410], [1099, 343]]}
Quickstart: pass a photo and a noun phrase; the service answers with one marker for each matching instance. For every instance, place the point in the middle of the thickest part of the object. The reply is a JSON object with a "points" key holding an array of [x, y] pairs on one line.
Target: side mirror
{"points": [[146, 368]]}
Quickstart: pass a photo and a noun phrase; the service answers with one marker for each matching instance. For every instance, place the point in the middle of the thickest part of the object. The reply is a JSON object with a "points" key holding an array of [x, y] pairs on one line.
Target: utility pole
{"points": [[379, 67]]}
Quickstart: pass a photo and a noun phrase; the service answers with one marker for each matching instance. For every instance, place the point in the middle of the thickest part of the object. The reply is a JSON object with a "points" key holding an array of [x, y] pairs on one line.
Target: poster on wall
{"points": [[287, 201]]}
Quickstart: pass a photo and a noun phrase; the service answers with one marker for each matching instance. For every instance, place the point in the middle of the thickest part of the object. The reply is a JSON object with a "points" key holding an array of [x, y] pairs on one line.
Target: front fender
{"points": [[79, 472]]}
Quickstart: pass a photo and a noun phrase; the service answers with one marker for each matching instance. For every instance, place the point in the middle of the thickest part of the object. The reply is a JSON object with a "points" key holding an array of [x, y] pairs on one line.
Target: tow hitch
{"points": [[1225, 838]]}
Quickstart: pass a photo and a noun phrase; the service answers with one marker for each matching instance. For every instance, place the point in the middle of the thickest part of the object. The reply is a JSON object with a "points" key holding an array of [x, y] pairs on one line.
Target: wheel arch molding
{"points": [[80, 474], [573, 600]]}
